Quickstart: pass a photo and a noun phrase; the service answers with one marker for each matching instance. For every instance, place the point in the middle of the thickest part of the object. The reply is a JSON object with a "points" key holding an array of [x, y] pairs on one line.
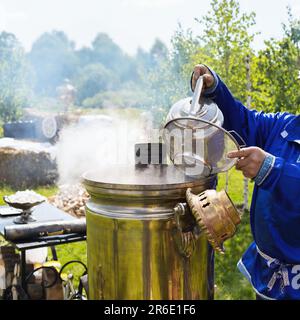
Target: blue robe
{"points": [[272, 262]]}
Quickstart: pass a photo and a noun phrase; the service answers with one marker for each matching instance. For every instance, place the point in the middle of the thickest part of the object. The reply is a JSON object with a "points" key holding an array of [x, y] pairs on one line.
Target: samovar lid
{"points": [[140, 177]]}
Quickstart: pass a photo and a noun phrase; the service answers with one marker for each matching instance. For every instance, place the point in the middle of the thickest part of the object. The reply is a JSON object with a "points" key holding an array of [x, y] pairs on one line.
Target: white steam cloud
{"points": [[97, 141]]}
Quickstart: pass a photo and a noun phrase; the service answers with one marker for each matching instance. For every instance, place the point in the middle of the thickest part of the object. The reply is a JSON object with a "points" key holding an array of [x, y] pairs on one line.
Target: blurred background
{"points": [[66, 62], [139, 54]]}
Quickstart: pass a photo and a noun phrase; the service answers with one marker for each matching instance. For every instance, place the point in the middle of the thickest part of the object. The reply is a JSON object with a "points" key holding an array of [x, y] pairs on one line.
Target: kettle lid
{"points": [[208, 111]]}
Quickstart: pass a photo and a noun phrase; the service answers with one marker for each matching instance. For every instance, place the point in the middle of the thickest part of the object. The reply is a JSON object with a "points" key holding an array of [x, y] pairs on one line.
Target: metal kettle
{"points": [[200, 107], [194, 137]]}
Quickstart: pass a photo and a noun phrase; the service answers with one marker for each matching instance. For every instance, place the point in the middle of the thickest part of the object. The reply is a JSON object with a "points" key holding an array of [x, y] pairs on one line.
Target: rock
{"points": [[71, 199]]}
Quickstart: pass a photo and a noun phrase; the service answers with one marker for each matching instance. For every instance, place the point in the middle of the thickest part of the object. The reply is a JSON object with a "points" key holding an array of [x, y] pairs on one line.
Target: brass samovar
{"points": [[152, 228]]}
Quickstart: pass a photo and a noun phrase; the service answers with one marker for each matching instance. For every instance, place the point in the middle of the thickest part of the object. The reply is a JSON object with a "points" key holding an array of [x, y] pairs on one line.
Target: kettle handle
{"points": [[195, 101]]}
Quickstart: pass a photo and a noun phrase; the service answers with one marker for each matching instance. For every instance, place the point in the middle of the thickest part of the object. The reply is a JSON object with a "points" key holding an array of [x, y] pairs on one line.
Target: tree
{"points": [[226, 43], [13, 80], [275, 86], [292, 31], [160, 81], [158, 52], [92, 79], [105, 51], [184, 46], [53, 59], [143, 61], [165, 79]]}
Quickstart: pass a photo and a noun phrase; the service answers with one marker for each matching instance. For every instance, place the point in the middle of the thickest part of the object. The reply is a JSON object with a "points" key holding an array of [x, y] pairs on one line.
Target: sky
{"points": [[130, 23]]}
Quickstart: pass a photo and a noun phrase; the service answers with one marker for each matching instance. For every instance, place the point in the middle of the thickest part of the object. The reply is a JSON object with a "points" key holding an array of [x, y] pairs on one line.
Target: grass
{"points": [[230, 284], [65, 253]]}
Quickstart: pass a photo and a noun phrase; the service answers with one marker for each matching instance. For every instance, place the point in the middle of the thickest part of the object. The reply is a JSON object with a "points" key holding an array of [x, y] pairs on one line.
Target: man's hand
{"points": [[250, 160], [208, 79]]}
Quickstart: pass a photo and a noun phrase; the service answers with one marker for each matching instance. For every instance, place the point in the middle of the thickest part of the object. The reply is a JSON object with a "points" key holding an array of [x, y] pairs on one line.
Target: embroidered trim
{"points": [[265, 169], [280, 271]]}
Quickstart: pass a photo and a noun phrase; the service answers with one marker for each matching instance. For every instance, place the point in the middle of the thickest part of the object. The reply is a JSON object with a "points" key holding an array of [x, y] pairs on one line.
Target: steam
{"points": [[99, 141]]}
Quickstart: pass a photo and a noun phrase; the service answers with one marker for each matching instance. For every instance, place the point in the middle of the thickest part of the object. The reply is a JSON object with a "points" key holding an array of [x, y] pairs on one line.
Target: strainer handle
{"points": [[196, 96], [241, 143]]}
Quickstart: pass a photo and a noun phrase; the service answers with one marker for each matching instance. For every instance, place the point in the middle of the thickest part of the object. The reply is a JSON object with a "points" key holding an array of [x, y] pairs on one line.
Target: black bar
{"points": [[23, 270], [54, 253]]}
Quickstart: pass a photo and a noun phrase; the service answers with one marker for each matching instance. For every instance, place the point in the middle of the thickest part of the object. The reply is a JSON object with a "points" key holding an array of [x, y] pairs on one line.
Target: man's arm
{"points": [[253, 126], [277, 175], [284, 182]]}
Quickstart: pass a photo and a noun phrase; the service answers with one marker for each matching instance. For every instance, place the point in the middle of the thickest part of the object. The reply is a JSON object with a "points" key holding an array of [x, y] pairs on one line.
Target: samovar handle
{"points": [[186, 227]]}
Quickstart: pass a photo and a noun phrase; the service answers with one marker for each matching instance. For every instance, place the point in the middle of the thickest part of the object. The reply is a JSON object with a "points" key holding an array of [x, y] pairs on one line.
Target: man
{"points": [[272, 160]]}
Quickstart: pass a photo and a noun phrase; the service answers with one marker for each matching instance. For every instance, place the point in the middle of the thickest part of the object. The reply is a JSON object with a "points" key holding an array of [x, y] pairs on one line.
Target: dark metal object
{"points": [[23, 270], [54, 253], [44, 284], [150, 153], [24, 218], [23, 206], [27, 210], [70, 292], [42, 229]]}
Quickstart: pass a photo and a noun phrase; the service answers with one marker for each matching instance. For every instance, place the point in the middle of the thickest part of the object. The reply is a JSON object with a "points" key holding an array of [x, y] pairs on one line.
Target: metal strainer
{"points": [[196, 152], [195, 140]]}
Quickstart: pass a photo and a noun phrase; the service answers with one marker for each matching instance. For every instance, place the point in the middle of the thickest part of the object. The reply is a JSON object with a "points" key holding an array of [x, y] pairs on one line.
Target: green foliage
{"points": [[49, 104], [275, 71], [292, 30], [129, 96], [230, 283], [166, 82], [13, 72], [158, 52], [106, 52], [72, 251], [184, 46], [53, 59], [225, 44], [146, 61], [92, 79]]}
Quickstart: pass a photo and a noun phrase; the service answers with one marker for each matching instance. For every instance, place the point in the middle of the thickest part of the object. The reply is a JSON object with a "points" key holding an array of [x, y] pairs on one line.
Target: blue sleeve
{"points": [[253, 126], [283, 182]]}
